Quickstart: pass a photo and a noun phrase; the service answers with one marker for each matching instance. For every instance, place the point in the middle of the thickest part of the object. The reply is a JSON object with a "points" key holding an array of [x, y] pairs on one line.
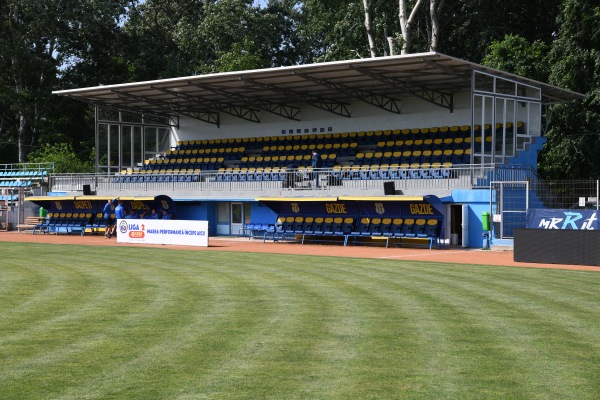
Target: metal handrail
{"points": [[43, 166], [455, 177]]}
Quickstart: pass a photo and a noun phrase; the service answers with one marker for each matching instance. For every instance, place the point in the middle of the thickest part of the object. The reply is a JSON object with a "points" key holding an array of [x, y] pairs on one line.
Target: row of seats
{"points": [[203, 163], [363, 137], [158, 176], [457, 156], [407, 147], [435, 170], [329, 161], [348, 229], [279, 156], [427, 144], [255, 229], [23, 174], [409, 158], [15, 183], [394, 172], [338, 173], [68, 223]]}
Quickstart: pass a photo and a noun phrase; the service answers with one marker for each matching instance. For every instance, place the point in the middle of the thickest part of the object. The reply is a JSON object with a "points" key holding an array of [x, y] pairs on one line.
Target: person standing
{"points": [[110, 223], [119, 214], [119, 210], [316, 164]]}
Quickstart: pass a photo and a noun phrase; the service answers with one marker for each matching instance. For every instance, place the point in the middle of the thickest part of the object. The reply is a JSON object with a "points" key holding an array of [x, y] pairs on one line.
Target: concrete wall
{"points": [[207, 211], [478, 201], [416, 113]]}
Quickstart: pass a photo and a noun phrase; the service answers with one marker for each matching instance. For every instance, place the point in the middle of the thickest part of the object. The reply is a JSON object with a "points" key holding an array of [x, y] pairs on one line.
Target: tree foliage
{"points": [[64, 158], [574, 138], [470, 26], [48, 44], [515, 55], [59, 44]]}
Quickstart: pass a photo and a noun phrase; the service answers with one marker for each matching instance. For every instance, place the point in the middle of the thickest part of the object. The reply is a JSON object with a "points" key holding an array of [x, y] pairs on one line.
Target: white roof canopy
{"points": [[331, 86]]}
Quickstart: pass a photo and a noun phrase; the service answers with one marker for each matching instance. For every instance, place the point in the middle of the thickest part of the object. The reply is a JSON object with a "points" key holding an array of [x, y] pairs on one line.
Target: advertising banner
{"points": [[389, 206], [562, 219], [151, 231]]}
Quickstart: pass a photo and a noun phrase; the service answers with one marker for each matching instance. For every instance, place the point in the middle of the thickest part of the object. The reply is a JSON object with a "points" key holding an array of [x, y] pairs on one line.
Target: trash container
{"points": [[43, 212], [454, 239], [485, 221], [486, 241]]}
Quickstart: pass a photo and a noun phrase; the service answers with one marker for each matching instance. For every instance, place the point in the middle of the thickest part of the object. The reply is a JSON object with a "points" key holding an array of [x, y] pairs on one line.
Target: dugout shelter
{"points": [[424, 124], [83, 214]]}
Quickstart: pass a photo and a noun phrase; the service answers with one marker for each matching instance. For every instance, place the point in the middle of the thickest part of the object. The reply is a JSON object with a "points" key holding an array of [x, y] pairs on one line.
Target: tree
{"points": [[334, 30], [42, 40], [26, 54], [515, 55], [470, 26], [387, 27], [407, 19], [177, 38], [435, 9], [574, 138], [369, 28], [64, 158]]}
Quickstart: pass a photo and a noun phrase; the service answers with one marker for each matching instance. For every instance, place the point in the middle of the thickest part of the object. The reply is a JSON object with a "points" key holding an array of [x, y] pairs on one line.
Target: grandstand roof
{"points": [[331, 86]]}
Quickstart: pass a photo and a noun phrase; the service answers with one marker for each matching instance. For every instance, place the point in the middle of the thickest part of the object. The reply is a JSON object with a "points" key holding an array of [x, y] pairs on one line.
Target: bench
{"points": [[29, 223], [254, 230]]}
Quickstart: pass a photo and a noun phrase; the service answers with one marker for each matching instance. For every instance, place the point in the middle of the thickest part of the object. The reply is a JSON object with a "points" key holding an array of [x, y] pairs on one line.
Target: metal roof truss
{"points": [[338, 108], [172, 107], [441, 99], [381, 101], [247, 114]]}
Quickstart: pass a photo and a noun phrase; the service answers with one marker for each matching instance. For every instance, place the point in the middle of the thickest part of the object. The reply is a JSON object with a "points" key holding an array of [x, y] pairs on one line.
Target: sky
{"points": [[261, 3]]}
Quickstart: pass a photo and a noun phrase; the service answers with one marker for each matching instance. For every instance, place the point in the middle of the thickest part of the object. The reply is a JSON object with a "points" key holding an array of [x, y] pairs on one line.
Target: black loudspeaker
{"points": [[389, 188], [87, 190]]}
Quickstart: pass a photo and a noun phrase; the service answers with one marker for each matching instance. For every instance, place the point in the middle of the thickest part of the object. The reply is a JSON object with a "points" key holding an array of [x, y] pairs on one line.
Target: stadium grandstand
{"points": [[17, 182], [412, 146]]}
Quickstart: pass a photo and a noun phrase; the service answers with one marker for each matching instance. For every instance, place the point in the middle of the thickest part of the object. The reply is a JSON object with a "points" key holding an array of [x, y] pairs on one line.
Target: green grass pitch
{"points": [[145, 323]]}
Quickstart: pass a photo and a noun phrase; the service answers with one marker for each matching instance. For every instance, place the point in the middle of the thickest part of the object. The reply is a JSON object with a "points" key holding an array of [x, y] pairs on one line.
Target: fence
{"points": [[259, 181], [567, 194], [25, 167]]}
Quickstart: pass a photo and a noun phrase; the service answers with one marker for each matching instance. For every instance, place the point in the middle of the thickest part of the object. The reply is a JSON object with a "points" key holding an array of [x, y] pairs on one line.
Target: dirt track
{"points": [[451, 255]]}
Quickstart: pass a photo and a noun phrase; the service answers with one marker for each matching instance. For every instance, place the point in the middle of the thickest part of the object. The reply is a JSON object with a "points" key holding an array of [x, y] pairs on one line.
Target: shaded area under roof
{"points": [[331, 86]]}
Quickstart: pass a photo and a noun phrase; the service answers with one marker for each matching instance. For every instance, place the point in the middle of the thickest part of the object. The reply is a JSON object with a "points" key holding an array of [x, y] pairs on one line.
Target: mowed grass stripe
{"points": [[451, 295], [231, 325], [159, 341], [292, 338], [391, 334], [478, 341], [110, 328], [412, 341], [324, 339], [204, 350], [541, 328]]}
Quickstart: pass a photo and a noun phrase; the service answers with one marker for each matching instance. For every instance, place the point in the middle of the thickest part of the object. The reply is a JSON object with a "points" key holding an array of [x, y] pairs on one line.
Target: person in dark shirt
{"points": [[110, 222], [131, 215], [119, 210], [316, 164]]}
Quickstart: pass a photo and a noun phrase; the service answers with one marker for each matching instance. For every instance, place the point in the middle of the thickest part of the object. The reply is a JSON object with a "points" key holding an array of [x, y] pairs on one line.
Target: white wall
{"points": [[416, 113]]}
